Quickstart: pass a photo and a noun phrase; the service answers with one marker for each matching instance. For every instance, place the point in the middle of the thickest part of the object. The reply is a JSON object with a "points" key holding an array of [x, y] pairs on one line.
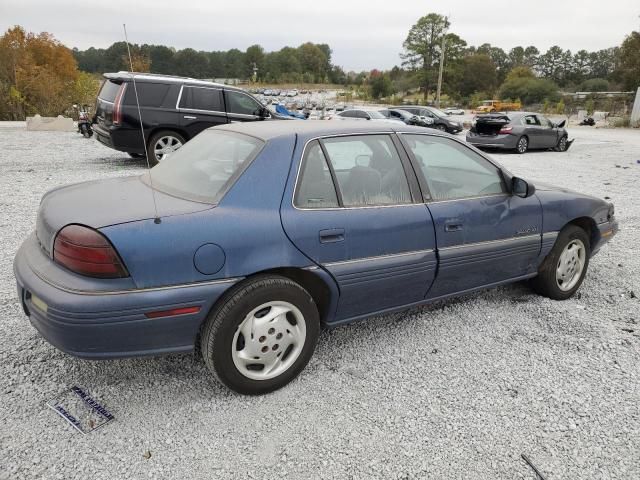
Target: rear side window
{"points": [[315, 187], [109, 91], [149, 94], [201, 98], [205, 167], [452, 170], [368, 170]]}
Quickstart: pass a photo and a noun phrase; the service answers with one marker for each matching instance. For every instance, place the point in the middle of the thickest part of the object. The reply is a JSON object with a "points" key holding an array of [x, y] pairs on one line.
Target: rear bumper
{"points": [[492, 141], [119, 140], [111, 324]]}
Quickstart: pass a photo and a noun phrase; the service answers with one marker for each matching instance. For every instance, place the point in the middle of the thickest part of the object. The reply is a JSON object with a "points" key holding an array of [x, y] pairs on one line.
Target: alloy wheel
{"points": [[523, 144], [164, 146]]}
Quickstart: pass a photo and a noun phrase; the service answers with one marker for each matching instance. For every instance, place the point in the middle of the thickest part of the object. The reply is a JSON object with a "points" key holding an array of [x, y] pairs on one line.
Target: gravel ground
{"points": [[456, 390]]}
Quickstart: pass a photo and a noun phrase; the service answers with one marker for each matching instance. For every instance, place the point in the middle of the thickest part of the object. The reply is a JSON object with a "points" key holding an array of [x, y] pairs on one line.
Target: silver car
{"points": [[519, 131]]}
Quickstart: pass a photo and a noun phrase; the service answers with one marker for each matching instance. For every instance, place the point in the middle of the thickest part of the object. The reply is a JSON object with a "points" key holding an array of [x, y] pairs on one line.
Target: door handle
{"points": [[332, 235], [452, 227], [190, 117]]}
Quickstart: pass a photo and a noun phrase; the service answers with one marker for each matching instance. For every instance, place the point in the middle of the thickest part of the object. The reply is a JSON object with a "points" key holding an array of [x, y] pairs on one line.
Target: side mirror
{"points": [[522, 188], [561, 124], [264, 113]]}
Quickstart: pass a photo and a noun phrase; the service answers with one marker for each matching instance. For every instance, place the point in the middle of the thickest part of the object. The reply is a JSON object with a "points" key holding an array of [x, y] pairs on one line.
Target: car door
{"points": [[548, 133], [200, 108], [484, 235], [355, 210], [242, 107], [533, 131]]}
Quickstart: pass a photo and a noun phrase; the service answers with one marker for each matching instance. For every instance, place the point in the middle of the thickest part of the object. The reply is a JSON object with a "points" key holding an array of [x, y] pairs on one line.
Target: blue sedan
{"points": [[248, 239]]}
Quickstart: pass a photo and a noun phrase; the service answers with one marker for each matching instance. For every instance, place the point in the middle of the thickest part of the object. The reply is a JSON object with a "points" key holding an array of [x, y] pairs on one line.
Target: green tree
{"points": [[423, 48], [523, 84], [629, 69], [381, 85], [479, 74]]}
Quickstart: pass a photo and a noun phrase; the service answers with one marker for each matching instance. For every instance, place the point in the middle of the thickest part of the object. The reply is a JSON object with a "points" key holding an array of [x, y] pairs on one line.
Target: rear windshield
{"points": [[206, 167], [109, 91]]}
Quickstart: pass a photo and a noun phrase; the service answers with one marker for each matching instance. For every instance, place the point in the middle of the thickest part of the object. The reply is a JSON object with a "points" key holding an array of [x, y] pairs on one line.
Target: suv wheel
{"points": [[161, 144]]}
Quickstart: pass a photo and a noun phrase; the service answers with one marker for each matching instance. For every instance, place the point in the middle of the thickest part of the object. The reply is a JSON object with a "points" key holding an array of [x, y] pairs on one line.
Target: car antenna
{"points": [[156, 218]]}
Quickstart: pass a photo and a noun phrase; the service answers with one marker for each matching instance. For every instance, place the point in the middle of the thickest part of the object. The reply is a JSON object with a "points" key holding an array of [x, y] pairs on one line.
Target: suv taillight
{"points": [[505, 130], [117, 104], [87, 252]]}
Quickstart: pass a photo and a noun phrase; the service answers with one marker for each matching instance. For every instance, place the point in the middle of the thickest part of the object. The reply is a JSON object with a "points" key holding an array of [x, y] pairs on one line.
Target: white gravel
{"points": [[457, 390]]}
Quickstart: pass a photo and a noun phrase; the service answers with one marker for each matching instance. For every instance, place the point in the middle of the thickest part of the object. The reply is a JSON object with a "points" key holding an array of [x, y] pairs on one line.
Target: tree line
{"points": [[307, 63], [40, 75]]}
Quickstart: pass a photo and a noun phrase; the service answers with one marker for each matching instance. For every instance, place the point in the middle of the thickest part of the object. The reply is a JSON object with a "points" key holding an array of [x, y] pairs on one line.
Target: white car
{"points": [[454, 111], [362, 114]]}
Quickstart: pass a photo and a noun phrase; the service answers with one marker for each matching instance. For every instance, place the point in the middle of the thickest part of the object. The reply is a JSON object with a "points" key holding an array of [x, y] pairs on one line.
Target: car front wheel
{"points": [[564, 269], [562, 144], [261, 335]]}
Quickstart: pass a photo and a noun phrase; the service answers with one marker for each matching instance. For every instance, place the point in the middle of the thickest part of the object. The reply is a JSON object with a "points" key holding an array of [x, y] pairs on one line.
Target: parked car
{"points": [[265, 231], [518, 131], [440, 119], [454, 111], [361, 114], [406, 117], [173, 109]]}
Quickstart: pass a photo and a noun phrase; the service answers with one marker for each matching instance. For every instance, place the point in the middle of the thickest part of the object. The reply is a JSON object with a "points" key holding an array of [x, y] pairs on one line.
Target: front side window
{"points": [[315, 186], [368, 170], [201, 98], [242, 104], [452, 170], [544, 121], [205, 167], [349, 114]]}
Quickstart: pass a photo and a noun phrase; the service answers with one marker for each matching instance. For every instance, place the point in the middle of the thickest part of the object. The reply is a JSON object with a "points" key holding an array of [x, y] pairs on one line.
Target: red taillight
{"points": [[505, 130], [117, 104], [87, 252]]}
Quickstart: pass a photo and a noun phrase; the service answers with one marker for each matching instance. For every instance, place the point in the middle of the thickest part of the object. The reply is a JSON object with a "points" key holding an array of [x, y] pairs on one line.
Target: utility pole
{"points": [[442, 49], [255, 72]]}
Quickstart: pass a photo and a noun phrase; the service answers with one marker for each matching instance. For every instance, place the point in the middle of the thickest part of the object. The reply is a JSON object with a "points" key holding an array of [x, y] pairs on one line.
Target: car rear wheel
{"points": [[523, 145], [162, 144], [564, 269], [442, 128], [261, 335]]}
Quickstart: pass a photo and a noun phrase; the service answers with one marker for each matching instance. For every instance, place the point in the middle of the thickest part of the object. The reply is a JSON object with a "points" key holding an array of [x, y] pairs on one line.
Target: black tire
{"points": [[562, 144], [441, 127], [523, 145], [217, 339], [546, 282], [151, 153]]}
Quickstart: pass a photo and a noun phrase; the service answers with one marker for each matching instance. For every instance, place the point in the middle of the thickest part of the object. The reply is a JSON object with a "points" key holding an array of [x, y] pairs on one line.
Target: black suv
{"points": [[440, 120], [173, 110]]}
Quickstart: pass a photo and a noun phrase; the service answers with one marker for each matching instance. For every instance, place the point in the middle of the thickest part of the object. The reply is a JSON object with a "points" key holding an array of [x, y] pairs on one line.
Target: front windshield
{"points": [[376, 115], [206, 167], [437, 112]]}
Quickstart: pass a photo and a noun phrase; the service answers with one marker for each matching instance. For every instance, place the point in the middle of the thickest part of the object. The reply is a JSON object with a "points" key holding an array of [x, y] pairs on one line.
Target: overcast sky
{"points": [[363, 34]]}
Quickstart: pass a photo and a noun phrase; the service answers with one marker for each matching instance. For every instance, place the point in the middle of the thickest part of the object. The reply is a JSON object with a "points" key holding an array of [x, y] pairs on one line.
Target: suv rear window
{"points": [[206, 167], [109, 91], [149, 94]]}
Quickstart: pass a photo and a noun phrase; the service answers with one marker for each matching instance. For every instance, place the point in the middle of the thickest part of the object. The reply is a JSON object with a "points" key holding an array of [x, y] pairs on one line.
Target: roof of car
{"points": [[316, 128], [123, 75]]}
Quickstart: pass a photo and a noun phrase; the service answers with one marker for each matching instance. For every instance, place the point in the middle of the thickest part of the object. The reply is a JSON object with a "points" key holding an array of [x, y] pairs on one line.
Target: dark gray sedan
{"points": [[519, 131]]}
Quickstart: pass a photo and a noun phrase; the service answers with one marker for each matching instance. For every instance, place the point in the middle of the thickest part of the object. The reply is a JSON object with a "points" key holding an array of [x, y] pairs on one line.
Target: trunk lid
{"points": [[490, 125], [101, 203]]}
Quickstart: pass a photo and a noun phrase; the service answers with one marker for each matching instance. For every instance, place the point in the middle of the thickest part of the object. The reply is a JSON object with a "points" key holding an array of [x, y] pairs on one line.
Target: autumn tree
{"points": [[37, 74]]}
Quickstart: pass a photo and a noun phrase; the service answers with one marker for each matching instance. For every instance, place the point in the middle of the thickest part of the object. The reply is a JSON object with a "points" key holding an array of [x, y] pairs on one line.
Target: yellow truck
{"points": [[489, 106]]}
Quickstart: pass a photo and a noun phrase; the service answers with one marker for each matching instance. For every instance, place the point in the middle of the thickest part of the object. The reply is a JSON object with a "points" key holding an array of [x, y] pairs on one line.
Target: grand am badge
{"points": [[527, 230]]}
